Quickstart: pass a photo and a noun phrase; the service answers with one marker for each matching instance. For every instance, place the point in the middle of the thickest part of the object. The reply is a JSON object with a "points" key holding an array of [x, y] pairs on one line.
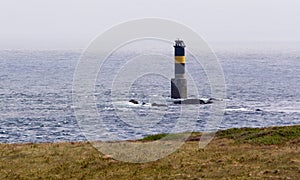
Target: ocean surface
{"points": [[262, 89]]}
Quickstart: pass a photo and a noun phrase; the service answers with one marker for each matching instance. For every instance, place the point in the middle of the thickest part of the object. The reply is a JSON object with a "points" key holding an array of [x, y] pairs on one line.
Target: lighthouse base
{"points": [[194, 101], [178, 88]]}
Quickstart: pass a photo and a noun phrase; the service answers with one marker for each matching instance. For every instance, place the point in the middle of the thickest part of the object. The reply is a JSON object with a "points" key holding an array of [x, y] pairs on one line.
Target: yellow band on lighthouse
{"points": [[180, 59]]}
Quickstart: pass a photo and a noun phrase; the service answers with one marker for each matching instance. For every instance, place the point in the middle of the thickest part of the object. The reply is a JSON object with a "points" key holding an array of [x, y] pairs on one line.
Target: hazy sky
{"points": [[67, 24]]}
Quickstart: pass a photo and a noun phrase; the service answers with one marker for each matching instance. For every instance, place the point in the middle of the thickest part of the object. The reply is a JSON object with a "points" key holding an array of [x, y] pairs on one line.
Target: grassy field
{"points": [[245, 153]]}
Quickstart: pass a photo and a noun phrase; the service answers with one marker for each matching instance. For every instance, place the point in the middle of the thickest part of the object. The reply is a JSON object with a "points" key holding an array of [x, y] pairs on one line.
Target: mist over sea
{"points": [[262, 89]]}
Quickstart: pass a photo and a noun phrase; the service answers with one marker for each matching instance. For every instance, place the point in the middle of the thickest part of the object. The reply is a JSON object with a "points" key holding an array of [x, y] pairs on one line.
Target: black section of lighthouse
{"points": [[179, 83]]}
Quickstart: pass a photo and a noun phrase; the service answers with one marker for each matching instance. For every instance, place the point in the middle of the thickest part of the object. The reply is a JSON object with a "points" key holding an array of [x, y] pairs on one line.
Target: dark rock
{"points": [[133, 101]]}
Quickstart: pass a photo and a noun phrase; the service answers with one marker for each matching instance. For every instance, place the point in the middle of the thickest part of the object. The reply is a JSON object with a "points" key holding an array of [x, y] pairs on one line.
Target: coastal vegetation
{"points": [[246, 153]]}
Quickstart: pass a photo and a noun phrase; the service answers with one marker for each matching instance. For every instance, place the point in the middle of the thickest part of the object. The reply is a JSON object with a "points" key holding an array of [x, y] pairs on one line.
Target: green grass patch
{"points": [[178, 136], [154, 137], [263, 136], [260, 136]]}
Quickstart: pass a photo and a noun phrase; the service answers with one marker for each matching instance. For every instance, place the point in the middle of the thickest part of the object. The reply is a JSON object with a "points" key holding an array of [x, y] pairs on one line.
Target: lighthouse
{"points": [[179, 83]]}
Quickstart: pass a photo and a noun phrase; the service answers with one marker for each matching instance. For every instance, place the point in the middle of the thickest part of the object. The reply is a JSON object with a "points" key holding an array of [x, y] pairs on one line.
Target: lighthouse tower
{"points": [[179, 83]]}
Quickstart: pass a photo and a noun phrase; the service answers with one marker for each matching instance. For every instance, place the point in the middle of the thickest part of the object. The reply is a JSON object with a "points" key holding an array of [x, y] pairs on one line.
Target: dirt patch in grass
{"points": [[236, 153]]}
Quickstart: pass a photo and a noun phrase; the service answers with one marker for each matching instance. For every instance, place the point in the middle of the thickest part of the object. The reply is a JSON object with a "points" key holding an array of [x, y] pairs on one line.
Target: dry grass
{"points": [[231, 155]]}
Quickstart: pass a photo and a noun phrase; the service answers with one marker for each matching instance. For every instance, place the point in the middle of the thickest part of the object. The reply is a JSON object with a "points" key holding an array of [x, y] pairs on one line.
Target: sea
{"points": [[262, 84]]}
